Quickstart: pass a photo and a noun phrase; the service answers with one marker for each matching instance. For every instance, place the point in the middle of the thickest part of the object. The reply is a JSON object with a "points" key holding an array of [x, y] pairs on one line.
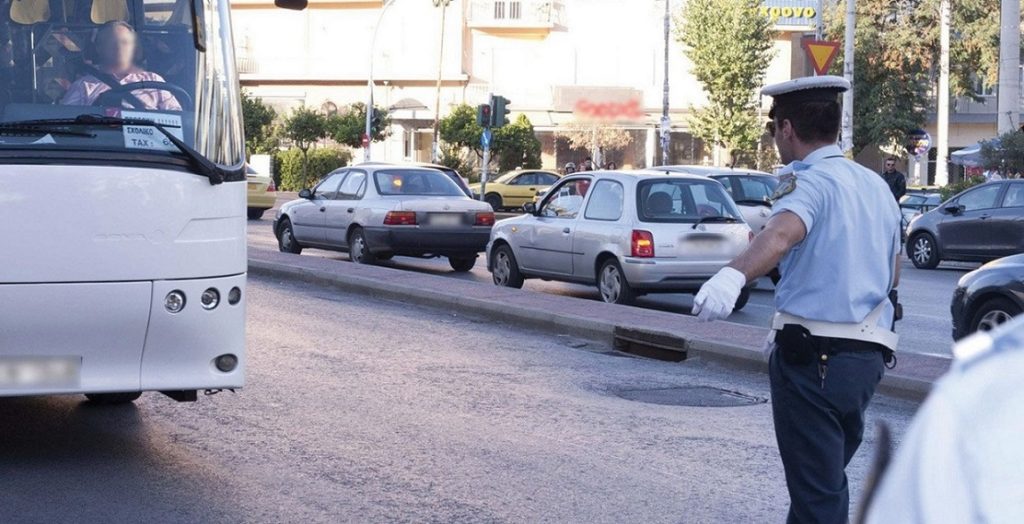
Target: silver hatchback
{"points": [[630, 233]]}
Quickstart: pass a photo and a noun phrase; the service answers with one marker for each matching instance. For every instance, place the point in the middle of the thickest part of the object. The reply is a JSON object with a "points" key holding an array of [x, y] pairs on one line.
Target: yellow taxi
{"points": [[262, 193], [515, 188]]}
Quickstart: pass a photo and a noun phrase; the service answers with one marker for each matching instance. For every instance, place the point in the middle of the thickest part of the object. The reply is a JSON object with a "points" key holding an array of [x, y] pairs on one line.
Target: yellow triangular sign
{"points": [[821, 53]]}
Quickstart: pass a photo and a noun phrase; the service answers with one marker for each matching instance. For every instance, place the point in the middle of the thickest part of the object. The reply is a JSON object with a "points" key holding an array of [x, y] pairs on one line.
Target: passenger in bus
{"points": [[115, 50]]}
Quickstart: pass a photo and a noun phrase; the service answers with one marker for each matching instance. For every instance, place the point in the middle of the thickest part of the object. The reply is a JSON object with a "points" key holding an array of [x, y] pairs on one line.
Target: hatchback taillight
{"points": [[400, 218], [272, 187], [484, 219], [643, 244]]}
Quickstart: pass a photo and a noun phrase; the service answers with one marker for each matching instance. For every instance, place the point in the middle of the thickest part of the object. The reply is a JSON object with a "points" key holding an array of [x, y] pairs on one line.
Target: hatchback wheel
{"points": [[286, 242], [992, 313], [505, 270], [612, 284], [358, 250], [923, 251], [462, 264]]}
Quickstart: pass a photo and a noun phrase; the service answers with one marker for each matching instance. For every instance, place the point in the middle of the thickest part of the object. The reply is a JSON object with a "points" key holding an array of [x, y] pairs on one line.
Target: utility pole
{"points": [[435, 151], [851, 26], [368, 136], [1009, 67], [666, 123], [942, 156]]}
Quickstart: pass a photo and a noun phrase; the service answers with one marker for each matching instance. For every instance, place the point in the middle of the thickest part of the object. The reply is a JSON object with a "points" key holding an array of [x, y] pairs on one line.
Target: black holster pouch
{"points": [[797, 345]]}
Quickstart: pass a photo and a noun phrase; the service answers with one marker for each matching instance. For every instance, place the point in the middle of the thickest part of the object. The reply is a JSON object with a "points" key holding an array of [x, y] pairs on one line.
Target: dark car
{"points": [[988, 296], [980, 224]]}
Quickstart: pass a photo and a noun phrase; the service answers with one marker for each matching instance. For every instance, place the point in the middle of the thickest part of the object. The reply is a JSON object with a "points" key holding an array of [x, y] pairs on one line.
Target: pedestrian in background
{"points": [[835, 234], [896, 180], [569, 169], [610, 166], [961, 460], [588, 164]]}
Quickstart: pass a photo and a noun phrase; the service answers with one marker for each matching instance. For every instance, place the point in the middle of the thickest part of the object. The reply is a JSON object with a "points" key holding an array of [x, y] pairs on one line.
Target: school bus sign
{"points": [[791, 13]]}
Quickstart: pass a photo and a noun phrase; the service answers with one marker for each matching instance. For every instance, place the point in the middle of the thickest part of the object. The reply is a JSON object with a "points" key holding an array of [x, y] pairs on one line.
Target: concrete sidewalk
{"points": [[668, 332]]}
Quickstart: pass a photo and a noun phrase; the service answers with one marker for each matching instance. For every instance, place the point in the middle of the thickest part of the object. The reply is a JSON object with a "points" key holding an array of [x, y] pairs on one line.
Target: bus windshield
{"points": [[165, 61]]}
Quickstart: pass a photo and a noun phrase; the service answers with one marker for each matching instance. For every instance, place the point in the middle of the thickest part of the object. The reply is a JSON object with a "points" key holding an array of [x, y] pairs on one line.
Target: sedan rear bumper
{"points": [[418, 240]]}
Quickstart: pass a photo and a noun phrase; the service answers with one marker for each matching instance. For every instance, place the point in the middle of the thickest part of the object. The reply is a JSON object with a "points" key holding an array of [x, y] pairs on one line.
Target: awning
{"points": [[970, 156]]}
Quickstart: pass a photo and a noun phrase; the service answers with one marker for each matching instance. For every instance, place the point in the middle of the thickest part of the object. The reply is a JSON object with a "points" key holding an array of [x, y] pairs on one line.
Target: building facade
{"points": [[551, 58]]}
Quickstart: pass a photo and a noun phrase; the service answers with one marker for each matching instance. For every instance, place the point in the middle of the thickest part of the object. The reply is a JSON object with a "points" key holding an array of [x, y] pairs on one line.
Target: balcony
{"points": [[530, 18]]}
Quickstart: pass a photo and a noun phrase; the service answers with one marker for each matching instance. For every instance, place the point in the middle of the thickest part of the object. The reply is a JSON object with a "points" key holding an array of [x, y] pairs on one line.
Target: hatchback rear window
{"points": [[422, 182], [683, 200]]}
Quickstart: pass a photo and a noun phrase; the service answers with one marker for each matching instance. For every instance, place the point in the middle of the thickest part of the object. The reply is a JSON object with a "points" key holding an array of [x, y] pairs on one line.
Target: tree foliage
{"points": [[460, 129], [348, 126], [257, 120], [514, 144], [305, 127], [293, 166], [730, 46], [1005, 153], [896, 61]]}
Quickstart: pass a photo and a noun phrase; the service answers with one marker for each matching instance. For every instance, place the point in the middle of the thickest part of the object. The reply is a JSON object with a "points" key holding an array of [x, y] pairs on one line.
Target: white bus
{"points": [[122, 199]]}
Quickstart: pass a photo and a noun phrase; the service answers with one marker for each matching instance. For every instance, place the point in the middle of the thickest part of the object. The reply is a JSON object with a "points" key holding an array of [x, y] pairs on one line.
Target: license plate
{"points": [[445, 219], [706, 246], [36, 372]]}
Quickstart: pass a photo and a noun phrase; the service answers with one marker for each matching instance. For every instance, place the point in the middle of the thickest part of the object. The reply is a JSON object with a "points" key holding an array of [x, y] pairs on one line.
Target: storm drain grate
{"points": [[696, 396]]}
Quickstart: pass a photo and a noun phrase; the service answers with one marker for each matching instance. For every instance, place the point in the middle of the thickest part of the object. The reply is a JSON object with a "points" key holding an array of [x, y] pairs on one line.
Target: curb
{"points": [[623, 337]]}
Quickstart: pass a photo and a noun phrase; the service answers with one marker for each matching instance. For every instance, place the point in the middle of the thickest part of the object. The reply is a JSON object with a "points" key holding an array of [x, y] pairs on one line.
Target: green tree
{"points": [[348, 126], [305, 127], [460, 129], [516, 145], [730, 45], [258, 119], [594, 136], [897, 57], [1005, 153]]}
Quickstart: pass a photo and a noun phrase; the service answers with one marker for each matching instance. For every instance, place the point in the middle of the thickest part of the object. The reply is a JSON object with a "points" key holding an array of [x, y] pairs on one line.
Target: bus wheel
{"points": [[113, 398]]}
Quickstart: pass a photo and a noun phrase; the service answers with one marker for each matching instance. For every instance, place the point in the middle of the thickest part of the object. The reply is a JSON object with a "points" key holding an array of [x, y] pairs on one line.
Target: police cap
{"points": [[824, 88]]}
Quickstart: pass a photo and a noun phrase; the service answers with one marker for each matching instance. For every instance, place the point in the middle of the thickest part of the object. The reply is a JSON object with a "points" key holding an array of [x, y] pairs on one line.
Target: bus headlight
{"points": [[174, 301], [210, 298], [234, 296]]}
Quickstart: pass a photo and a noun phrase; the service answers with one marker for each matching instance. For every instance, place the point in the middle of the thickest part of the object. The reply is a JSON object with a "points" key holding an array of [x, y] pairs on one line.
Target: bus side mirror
{"points": [[295, 5]]}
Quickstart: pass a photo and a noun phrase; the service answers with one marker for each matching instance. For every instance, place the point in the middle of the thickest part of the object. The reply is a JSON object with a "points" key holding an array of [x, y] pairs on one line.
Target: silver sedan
{"points": [[375, 212], [628, 233]]}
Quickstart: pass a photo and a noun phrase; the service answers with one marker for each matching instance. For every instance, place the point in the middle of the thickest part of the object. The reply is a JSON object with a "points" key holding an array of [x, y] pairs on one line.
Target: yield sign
{"points": [[821, 53]]}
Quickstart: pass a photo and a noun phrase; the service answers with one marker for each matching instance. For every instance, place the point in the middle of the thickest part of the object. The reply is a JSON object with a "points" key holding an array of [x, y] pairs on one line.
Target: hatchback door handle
{"points": [[565, 230], [983, 217], [322, 209], [351, 209]]}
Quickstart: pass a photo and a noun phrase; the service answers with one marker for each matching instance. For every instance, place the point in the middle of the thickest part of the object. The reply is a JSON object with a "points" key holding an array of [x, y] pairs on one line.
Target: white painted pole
{"points": [[1009, 67], [942, 155], [851, 24], [369, 82]]}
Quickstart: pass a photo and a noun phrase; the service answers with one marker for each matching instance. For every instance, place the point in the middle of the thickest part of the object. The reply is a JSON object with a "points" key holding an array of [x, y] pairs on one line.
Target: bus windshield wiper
{"points": [[717, 218], [206, 168], [20, 128]]}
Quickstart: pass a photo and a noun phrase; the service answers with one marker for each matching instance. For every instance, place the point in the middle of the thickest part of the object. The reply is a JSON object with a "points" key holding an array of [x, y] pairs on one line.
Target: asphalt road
{"points": [[360, 410], [925, 294]]}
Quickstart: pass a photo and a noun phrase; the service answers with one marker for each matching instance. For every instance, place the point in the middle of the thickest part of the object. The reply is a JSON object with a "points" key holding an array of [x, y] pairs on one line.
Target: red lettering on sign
{"points": [[628, 110]]}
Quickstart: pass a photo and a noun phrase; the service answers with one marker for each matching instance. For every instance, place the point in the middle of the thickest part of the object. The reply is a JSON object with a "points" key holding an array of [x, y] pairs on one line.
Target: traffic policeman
{"points": [[834, 235], [962, 460]]}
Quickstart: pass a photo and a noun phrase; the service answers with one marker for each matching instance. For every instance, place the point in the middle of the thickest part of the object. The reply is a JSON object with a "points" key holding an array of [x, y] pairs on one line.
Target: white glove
{"points": [[718, 296]]}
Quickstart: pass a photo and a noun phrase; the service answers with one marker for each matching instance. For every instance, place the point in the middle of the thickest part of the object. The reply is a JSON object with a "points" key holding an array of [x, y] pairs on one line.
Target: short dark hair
{"points": [[891, 159], [812, 121]]}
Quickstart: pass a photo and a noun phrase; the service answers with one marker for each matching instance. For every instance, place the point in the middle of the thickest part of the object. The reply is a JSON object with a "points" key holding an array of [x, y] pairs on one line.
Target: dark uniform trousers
{"points": [[819, 429]]}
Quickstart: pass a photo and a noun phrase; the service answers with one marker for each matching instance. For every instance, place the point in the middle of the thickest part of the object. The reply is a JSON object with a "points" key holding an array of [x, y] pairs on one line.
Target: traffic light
{"points": [[483, 115], [499, 110], [375, 120]]}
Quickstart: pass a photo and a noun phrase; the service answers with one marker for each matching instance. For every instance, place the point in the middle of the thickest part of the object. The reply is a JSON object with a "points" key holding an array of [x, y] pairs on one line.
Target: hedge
{"points": [[288, 166]]}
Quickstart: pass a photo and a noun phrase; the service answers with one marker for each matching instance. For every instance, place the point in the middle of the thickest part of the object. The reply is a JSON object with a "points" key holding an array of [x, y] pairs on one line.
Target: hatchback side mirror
{"points": [[530, 208], [954, 209], [307, 194]]}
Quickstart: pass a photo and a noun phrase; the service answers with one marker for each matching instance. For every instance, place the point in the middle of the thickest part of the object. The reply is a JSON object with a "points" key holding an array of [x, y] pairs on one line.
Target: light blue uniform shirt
{"points": [[843, 268]]}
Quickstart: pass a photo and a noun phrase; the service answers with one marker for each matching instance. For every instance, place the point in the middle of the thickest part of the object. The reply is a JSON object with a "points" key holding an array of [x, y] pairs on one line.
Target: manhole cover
{"points": [[698, 396]]}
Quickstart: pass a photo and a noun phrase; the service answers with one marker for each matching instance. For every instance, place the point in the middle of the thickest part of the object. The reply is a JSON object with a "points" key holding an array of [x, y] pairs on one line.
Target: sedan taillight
{"points": [[485, 218], [643, 244], [400, 218]]}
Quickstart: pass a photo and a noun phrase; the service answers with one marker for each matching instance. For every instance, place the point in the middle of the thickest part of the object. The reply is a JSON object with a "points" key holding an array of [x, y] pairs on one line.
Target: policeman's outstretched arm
{"points": [[718, 296]]}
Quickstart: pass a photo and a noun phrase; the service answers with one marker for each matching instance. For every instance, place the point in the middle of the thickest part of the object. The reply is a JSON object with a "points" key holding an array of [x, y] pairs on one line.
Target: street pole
{"points": [[435, 152], [1009, 67], [666, 123], [851, 25], [819, 23], [942, 156], [487, 151], [369, 82]]}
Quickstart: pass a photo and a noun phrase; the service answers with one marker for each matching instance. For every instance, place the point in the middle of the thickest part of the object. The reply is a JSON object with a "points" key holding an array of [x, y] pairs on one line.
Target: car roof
{"points": [[711, 170], [639, 174], [517, 171]]}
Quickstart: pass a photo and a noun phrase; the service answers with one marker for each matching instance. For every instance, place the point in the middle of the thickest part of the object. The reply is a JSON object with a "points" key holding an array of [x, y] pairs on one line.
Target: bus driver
{"points": [[115, 47]]}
